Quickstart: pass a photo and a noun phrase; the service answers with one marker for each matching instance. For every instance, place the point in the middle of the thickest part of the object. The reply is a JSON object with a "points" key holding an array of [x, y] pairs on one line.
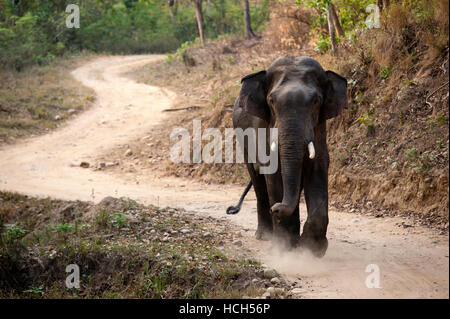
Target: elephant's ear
{"points": [[335, 96], [252, 97]]}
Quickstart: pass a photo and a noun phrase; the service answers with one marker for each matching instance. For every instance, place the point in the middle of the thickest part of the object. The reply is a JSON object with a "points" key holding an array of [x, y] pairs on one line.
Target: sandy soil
{"points": [[413, 261]]}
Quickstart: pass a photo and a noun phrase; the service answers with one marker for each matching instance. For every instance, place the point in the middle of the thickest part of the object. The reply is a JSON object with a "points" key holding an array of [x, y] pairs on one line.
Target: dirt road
{"points": [[412, 262]]}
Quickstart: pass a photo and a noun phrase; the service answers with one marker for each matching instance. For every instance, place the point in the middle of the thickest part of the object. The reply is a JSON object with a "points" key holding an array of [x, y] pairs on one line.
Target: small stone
{"points": [[237, 243], [109, 164], [128, 152], [84, 165], [132, 219], [279, 291], [57, 117], [298, 291], [355, 220], [269, 273], [275, 280], [71, 111], [274, 291]]}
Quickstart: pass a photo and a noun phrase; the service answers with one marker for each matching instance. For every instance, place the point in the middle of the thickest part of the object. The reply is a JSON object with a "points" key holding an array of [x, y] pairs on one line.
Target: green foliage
{"points": [[184, 47], [60, 228], [412, 152], [351, 14], [323, 45], [439, 144], [14, 232], [35, 31], [120, 220], [170, 57], [419, 162], [385, 71], [320, 18], [366, 120]]}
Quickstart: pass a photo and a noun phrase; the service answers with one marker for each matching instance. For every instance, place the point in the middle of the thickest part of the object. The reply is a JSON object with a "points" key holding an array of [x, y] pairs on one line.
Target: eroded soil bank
{"points": [[413, 260]]}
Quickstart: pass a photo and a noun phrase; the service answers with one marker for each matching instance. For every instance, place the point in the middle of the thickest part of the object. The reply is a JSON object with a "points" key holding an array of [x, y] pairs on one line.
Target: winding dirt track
{"points": [[413, 262]]}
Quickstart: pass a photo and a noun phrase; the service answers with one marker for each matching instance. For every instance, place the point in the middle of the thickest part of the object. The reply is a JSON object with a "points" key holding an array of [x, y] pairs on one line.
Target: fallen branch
{"points": [[432, 93], [188, 108], [443, 66]]}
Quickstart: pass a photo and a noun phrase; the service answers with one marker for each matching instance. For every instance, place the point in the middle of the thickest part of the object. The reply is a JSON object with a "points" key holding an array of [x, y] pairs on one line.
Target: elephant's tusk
{"points": [[273, 146], [312, 151]]}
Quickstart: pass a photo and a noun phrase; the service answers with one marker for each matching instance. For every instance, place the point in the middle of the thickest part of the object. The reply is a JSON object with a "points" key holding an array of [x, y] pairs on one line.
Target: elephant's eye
{"points": [[316, 99]]}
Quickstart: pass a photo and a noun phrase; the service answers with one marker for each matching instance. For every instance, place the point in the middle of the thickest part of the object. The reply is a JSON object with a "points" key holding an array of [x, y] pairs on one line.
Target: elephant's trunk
{"points": [[293, 146]]}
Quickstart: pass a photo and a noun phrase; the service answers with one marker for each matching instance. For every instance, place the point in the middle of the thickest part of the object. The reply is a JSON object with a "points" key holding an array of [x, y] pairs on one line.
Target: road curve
{"points": [[412, 262]]}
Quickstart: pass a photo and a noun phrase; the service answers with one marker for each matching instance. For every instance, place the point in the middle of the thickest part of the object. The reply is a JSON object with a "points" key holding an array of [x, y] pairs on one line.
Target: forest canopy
{"points": [[34, 31]]}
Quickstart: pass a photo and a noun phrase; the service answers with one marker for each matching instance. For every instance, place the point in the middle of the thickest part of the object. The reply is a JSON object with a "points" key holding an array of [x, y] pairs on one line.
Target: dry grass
{"points": [[123, 249], [288, 28], [39, 98]]}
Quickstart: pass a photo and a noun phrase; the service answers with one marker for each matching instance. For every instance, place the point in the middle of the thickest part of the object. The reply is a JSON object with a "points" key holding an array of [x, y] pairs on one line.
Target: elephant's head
{"points": [[294, 95]]}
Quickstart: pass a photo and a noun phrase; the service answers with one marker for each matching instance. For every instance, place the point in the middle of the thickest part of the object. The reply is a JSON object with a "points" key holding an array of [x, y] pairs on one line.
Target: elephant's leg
{"points": [[285, 228], [315, 181], [264, 230]]}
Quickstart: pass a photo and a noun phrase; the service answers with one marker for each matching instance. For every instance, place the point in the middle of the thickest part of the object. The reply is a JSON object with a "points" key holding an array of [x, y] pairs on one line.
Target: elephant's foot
{"points": [[317, 246], [263, 234], [285, 240]]}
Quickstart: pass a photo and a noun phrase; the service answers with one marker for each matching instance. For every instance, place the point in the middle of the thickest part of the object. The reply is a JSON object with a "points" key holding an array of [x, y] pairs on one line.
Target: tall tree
{"points": [[222, 16], [336, 21], [199, 17], [382, 4], [248, 25], [173, 7], [331, 29]]}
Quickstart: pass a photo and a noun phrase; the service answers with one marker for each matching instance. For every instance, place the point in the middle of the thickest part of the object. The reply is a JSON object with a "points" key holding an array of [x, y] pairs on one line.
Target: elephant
{"points": [[296, 96]]}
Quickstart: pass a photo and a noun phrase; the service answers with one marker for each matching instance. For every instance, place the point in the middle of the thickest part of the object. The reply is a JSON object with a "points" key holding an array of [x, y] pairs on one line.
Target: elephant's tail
{"points": [[235, 209]]}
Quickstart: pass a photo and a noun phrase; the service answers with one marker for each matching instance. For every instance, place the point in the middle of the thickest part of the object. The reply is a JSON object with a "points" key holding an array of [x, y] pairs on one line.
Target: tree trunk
{"points": [[248, 26], [222, 16], [173, 8], [336, 21], [331, 28], [199, 16], [380, 4]]}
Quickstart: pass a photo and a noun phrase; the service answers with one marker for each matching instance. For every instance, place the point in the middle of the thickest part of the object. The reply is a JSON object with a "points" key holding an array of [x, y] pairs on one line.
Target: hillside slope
{"points": [[388, 150]]}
